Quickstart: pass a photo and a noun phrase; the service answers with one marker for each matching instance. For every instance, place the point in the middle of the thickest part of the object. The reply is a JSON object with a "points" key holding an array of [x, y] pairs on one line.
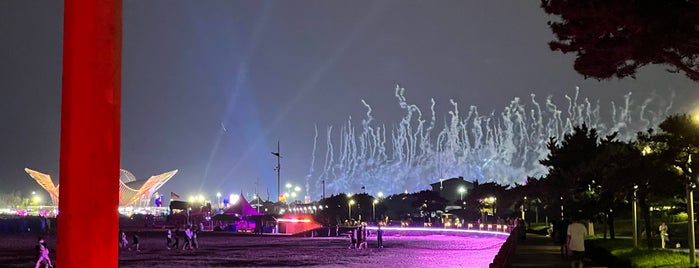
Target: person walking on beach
{"points": [[359, 237], [576, 242], [124, 243], [379, 236], [364, 236], [664, 237], [187, 239], [169, 237], [135, 241], [43, 254], [195, 243], [176, 244], [353, 238]]}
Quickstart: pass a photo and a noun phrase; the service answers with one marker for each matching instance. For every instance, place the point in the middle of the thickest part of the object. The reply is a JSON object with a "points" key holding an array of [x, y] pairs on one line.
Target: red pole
{"points": [[90, 134]]}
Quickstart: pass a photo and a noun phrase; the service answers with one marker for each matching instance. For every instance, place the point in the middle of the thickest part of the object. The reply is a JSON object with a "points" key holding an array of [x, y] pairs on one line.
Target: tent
{"points": [[241, 208]]}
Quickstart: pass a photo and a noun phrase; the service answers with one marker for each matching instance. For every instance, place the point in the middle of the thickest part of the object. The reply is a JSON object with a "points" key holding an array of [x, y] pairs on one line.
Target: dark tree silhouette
{"points": [[429, 202], [615, 38], [571, 171]]}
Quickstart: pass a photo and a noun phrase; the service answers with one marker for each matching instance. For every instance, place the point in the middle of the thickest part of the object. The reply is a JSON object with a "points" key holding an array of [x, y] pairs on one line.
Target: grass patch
{"points": [[642, 257]]}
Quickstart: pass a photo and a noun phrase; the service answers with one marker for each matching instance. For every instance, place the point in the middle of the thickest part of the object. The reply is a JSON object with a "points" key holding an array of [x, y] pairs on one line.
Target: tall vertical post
{"points": [[690, 226], [90, 134], [278, 169], [635, 217], [323, 197]]}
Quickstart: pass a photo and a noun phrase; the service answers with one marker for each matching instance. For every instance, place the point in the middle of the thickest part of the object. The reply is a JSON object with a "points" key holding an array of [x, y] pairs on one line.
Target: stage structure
{"points": [[132, 192]]}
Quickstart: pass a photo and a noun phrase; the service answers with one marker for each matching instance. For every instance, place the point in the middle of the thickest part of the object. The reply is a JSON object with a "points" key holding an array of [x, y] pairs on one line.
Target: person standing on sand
{"points": [[379, 236], [43, 254], [124, 243], [359, 237], [187, 239], [135, 241], [176, 244], [169, 237], [353, 238], [364, 236], [194, 238]]}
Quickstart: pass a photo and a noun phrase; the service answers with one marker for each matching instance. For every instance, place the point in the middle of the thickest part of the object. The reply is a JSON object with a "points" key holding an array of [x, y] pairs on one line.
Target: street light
{"points": [[218, 201], [36, 199], [373, 209], [462, 190], [380, 194], [351, 202]]}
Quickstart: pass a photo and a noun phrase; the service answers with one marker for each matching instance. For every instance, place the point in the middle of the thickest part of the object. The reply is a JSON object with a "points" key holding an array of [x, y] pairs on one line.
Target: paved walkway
{"points": [[540, 251]]}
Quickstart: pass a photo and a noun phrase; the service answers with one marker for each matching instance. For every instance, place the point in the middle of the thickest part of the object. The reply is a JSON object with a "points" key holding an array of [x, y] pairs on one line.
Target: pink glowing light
{"points": [[439, 230], [294, 220]]}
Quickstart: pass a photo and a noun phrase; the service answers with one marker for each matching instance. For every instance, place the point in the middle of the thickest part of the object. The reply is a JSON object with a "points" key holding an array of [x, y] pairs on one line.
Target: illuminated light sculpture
{"points": [[131, 191]]}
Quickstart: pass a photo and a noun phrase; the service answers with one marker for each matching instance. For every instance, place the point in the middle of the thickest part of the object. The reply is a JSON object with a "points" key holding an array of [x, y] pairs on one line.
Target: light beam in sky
{"points": [[500, 147]]}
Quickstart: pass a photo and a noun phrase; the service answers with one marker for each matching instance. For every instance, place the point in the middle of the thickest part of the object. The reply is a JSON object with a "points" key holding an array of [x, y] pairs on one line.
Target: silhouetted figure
{"points": [[353, 238], [176, 244], [559, 233], [135, 241], [42, 254], [379, 237], [169, 237]]}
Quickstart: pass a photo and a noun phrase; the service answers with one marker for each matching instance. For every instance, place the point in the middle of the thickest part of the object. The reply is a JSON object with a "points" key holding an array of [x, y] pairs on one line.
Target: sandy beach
{"points": [[219, 249]]}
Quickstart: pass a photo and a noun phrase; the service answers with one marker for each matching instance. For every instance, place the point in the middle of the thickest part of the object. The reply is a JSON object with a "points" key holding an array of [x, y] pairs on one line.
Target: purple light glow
{"points": [[439, 230], [440, 250]]}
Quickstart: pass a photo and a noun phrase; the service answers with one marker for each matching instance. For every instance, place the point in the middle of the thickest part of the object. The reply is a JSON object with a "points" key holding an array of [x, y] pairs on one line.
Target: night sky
{"points": [[209, 87]]}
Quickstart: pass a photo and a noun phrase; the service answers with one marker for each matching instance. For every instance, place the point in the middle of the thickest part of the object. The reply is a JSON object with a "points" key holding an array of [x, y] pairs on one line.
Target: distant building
{"points": [[132, 192], [449, 189]]}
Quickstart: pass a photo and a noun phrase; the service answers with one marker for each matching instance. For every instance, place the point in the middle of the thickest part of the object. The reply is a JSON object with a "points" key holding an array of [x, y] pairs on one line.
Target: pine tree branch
{"points": [[676, 61]]}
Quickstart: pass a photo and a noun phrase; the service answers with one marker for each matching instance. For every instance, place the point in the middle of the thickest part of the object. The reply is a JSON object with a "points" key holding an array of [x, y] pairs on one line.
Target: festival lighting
{"points": [[36, 199], [294, 220], [436, 230], [234, 198]]}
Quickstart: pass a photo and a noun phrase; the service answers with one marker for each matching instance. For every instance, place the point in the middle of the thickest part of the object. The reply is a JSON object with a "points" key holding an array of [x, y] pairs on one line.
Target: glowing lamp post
{"points": [[351, 202], [373, 208], [218, 200], [461, 190]]}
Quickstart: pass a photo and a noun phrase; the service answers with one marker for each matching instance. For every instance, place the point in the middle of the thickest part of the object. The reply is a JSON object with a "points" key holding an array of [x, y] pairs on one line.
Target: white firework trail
{"points": [[502, 147]]}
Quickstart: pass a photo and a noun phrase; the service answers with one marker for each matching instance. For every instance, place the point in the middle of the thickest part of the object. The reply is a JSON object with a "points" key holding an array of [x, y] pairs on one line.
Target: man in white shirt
{"points": [[576, 242]]}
